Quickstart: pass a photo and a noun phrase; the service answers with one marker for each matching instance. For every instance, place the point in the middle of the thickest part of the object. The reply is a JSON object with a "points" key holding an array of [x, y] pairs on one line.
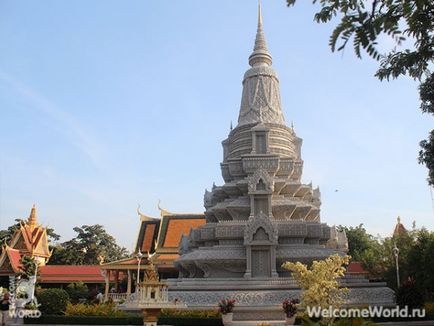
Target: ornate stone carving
{"points": [[260, 175], [229, 232], [379, 295], [338, 239], [261, 98], [260, 221], [184, 246], [269, 163], [207, 199]]}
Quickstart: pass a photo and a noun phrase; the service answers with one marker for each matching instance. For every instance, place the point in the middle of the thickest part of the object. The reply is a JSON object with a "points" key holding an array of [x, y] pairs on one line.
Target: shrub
{"points": [[409, 295], [53, 301], [226, 306], [91, 296], [429, 309], [290, 307], [106, 309], [85, 320], [129, 320], [77, 291], [184, 313]]}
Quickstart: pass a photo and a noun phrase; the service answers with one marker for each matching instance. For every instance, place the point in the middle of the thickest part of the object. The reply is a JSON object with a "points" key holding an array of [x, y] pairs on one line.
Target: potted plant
{"points": [[226, 306], [290, 309]]}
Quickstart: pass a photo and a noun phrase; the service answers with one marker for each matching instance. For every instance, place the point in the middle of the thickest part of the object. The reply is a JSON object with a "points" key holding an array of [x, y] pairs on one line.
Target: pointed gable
{"points": [[30, 239], [148, 233], [35, 236], [10, 261]]}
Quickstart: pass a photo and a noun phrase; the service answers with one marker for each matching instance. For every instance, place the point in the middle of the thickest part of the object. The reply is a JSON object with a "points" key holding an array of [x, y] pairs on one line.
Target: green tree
{"points": [[418, 262], [416, 249], [364, 22], [358, 240], [377, 260], [89, 247], [364, 248]]}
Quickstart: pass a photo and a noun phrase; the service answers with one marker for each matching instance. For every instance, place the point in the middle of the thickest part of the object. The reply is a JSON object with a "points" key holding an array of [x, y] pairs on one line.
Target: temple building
{"points": [[30, 239], [158, 238]]}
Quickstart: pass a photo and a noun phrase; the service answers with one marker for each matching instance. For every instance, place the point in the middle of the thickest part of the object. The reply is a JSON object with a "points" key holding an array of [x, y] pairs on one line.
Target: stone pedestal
{"points": [[150, 316], [261, 299]]}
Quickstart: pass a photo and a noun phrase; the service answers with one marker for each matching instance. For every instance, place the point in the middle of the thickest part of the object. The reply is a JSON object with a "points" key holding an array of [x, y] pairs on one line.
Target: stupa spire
{"points": [[260, 55], [260, 102], [32, 221]]}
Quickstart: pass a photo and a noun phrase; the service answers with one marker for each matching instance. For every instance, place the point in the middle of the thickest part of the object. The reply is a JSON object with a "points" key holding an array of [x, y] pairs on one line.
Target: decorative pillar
{"points": [[129, 282], [107, 284], [248, 273], [117, 281], [273, 262], [157, 294]]}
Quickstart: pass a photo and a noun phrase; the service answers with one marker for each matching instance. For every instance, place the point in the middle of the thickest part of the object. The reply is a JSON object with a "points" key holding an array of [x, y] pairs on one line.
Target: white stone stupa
{"points": [[262, 216]]}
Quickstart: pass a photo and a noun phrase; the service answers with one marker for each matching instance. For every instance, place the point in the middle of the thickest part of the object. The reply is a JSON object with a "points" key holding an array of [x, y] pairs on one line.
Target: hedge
{"points": [[130, 320], [85, 320], [53, 301]]}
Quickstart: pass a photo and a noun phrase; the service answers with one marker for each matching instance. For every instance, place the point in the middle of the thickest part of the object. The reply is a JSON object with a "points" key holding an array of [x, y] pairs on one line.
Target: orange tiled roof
{"points": [[175, 226], [72, 273], [149, 238], [167, 257], [399, 228], [148, 234], [14, 258], [31, 238]]}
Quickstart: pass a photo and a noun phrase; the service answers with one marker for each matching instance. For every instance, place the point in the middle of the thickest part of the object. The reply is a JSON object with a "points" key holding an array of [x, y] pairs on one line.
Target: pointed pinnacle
{"points": [[259, 15], [260, 53]]}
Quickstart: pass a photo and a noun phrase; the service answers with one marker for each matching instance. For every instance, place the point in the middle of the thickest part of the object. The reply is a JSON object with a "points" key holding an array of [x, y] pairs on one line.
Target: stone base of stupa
{"points": [[261, 299]]}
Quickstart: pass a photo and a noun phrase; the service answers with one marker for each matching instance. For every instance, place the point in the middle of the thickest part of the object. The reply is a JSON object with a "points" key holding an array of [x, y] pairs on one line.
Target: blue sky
{"points": [[107, 104]]}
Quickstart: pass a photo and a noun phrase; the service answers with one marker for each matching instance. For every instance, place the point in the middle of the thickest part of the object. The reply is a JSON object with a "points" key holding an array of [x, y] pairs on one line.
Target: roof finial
{"points": [[163, 212], [32, 218], [259, 15], [260, 55]]}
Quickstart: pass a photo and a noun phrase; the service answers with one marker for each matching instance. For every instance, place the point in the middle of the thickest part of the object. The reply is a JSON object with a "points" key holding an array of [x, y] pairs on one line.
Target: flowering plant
{"points": [[226, 306], [290, 307]]}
